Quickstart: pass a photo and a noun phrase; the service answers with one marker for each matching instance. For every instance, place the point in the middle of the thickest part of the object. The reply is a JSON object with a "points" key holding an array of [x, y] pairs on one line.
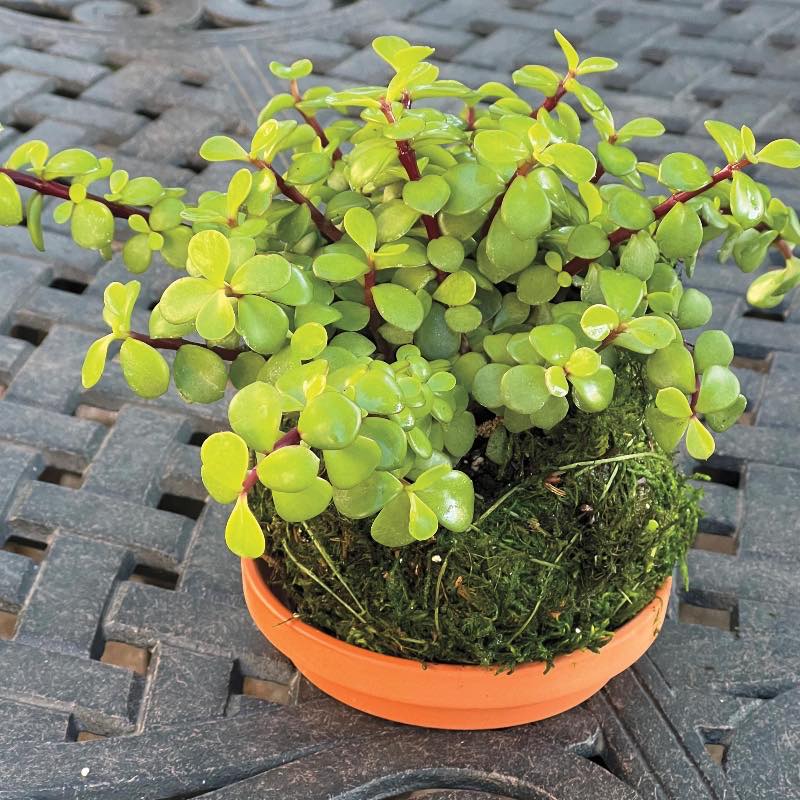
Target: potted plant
{"points": [[457, 343]]}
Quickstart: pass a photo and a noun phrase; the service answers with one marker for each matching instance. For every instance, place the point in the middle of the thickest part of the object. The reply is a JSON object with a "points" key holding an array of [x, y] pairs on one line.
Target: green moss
{"points": [[572, 538]]}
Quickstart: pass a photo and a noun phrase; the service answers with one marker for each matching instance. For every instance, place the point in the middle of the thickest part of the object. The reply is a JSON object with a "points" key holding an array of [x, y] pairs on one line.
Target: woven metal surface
{"points": [[128, 665]]}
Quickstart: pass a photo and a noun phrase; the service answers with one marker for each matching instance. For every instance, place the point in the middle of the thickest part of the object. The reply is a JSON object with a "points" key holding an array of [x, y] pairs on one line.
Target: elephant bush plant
{"points": [[382, 290]]}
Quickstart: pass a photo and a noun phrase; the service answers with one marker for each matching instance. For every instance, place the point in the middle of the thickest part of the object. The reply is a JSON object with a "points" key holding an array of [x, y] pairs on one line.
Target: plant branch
{"points": [[620, 235], [310, 119], [549, 103], [60, 190], [408, 158], [225, 353], [374, 316], [324, 226]]}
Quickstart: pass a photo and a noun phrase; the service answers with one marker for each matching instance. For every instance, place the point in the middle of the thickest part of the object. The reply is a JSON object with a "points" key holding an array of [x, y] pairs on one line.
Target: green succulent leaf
{"points": [[94, 363], [719, 388], [781, 153], [210, 253], [427, 195], [261, 274], [471, 186], [222, 148], [339, 267], [200, 375], [587, 241], [720, 421], [216, 317], [575, 161], [680, 232], [225, 460], [598, 321], [255, 414], [555, 343], [595, 392], [523, 388], [361, 228], [451, 497], [305, 504], [398, 306], [683, 172], [10, 202], [673, 402], [262, 324], [712, 348], [92, 225], [243, 534], [144, 368], [289, 469], [672, 366], [391, 527], [668, 431], [525, 208], [377, 491], [351, 465], [622, 291], [389, 437], [329, 422], [699, 442], [728, 138]]}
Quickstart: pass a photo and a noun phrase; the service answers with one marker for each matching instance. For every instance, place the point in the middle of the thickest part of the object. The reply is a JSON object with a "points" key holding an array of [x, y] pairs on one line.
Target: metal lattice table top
{"points": [[129, 667]]}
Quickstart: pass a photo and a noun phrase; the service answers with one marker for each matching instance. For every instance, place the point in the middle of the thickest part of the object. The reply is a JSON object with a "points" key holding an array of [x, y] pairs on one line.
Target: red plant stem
{"points": [[375, 318], [549, 103], [696, 393], [288, 439], [60, 190], [470, 118], [408, 158], [310, 119], [598, 173], [617, 237], [786, 249], [324, 226], [225, 353]]}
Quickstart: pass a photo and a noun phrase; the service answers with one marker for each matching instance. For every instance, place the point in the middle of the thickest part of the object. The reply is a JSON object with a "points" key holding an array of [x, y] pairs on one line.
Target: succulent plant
{"points": [[415, 272]]}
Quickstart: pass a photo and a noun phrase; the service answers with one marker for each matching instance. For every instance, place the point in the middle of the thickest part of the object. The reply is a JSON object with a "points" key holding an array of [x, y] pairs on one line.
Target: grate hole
{"points": [[63, 91], [768, 314], [716, 543], [761, 364], [192, 166], [28, 334], [716, 752], [66, 285], [266, 690], [8, 623], [197, 438], [599, 759], [196, 82], [154, 576], [61, 477], [178, 504], [716, 742], [144, 112], [89, 736], [723, 471], [125, 655], [96, 414], [23, 546], [710, 615]]}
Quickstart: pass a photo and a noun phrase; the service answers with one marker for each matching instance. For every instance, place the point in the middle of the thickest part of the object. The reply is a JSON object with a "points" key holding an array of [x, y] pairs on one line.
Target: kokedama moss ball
{"points": [[571, 539]]}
